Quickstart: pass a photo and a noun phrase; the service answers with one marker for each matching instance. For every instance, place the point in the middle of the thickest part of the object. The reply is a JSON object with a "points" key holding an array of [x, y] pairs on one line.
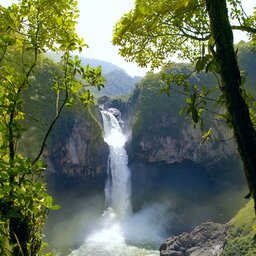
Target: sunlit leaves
{"points": [[23, 197], [157, 30], [20, 186], [27, 30]]}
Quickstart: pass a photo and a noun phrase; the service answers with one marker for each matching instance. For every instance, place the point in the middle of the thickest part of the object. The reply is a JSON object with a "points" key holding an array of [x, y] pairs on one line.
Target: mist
{"points": [[164, 201]]}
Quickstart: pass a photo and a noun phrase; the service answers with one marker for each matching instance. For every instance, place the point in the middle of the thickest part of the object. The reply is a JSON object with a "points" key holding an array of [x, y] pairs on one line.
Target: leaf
{"points": [[183, 110], [207, 135], [201, 124], [193, 99], [189, 101], [70, 103], [200, 64], [55, 207], [48, 201], [203, 49], [195, 116], [13, 213]]}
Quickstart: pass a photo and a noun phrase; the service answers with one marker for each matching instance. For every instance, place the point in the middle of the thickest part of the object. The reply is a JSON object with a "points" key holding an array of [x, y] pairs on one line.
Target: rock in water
{"points": [[207, 239]]}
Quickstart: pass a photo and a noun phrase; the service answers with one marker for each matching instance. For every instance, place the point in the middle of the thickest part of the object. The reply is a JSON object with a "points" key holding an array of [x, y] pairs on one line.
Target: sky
{"points": [[95, 25], [96, 22]]}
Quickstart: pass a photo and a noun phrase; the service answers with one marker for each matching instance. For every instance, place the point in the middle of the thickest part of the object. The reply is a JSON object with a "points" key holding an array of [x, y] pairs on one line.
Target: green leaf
{"points": [[189, 101], [207, 135], [195, 116], [200, 64], [48, 201], [12, 213], [55, 207]]}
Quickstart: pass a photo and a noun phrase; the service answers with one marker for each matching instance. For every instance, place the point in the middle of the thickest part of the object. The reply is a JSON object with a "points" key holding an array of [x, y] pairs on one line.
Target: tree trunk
{"points": [[238, 110]]}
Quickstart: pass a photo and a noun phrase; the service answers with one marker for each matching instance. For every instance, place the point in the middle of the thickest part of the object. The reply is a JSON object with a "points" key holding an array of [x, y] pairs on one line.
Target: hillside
{"points": [[117, 83], [242, 233]]}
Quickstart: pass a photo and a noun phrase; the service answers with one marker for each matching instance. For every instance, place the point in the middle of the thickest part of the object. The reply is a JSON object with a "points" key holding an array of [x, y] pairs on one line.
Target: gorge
{"points": [[95, 162], [166, 159]]}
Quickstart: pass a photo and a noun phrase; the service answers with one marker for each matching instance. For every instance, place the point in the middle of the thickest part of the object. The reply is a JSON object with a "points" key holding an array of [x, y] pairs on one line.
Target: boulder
{"points": [[207, 239]]}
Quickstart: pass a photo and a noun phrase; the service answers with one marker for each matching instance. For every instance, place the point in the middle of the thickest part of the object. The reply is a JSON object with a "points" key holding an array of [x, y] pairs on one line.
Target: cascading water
{"points": [[117, 224], [118, 187]]}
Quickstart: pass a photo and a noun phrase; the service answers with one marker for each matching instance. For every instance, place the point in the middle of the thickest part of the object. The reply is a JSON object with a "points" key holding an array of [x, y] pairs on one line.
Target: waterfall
{"points": [[118, 187], [117, 224]]}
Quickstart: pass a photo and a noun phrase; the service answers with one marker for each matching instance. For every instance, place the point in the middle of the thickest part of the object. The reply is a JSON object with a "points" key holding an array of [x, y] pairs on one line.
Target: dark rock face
{"points": [[161, 134], [117, 103], [172, 147], [81, 151], [207, 239]]}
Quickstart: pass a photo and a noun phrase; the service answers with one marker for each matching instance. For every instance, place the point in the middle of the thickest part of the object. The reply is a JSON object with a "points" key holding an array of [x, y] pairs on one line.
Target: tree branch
{"points": [[56, 117], [50, 128], [244, 28]]}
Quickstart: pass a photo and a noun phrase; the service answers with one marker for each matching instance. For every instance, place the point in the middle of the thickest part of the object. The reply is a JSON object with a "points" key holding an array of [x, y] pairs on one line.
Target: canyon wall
{"points": [[77, 145], [161, 134]]}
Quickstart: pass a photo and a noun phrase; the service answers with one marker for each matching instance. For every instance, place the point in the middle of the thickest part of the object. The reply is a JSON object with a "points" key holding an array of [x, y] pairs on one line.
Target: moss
{"points": [[242, 233], [97, 131]]}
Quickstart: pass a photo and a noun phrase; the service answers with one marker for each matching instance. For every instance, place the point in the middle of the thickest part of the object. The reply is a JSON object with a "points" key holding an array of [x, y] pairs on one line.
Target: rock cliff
{"points": [[77, 146], [178, 145], [208, 239], [161, 134]]}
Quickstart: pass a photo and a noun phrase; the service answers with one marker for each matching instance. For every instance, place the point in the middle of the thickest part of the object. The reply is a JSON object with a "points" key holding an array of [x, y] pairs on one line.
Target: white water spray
{"points": [[115, 225], [118, 185]]}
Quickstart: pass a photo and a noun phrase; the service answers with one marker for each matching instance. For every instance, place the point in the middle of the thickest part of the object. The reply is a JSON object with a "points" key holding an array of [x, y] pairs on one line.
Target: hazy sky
{"points": [[97, 18], [96, 22]]}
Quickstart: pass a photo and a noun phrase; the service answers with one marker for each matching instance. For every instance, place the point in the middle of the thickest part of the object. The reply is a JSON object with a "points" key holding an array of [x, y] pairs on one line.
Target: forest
{"points": [[96, 162]]}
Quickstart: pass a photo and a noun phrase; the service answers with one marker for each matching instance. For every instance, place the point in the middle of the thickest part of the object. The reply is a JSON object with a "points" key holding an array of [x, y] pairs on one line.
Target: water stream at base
{"points": [[120, 233]]}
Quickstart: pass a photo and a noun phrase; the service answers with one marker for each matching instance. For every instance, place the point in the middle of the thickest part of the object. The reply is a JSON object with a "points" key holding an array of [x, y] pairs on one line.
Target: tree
{"points": [[28, 29], [156, 30]]}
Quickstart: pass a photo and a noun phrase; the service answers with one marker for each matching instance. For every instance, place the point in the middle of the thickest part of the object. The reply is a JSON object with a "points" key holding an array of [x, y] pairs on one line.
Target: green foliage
{"points": [[152, 101], [155, 31], [242, 233], [155, 109], [23, 200], [27, 30]]}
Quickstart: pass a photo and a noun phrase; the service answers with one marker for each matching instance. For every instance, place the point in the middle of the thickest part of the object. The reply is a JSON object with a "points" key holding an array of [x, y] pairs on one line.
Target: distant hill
{"points": [[118, 82], [107, 67]]}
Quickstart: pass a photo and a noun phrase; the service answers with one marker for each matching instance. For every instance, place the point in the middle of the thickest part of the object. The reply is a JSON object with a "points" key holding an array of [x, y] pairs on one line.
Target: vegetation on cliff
{"points": [[153, 32], [40, 106], [159, 123], [241, 240], [35, 91]]}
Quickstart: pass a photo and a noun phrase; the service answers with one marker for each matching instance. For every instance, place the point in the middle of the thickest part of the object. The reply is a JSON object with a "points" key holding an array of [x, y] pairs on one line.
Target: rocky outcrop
{"points": [[81, 150], [207, 239], [178, 144], [161, 134]]}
